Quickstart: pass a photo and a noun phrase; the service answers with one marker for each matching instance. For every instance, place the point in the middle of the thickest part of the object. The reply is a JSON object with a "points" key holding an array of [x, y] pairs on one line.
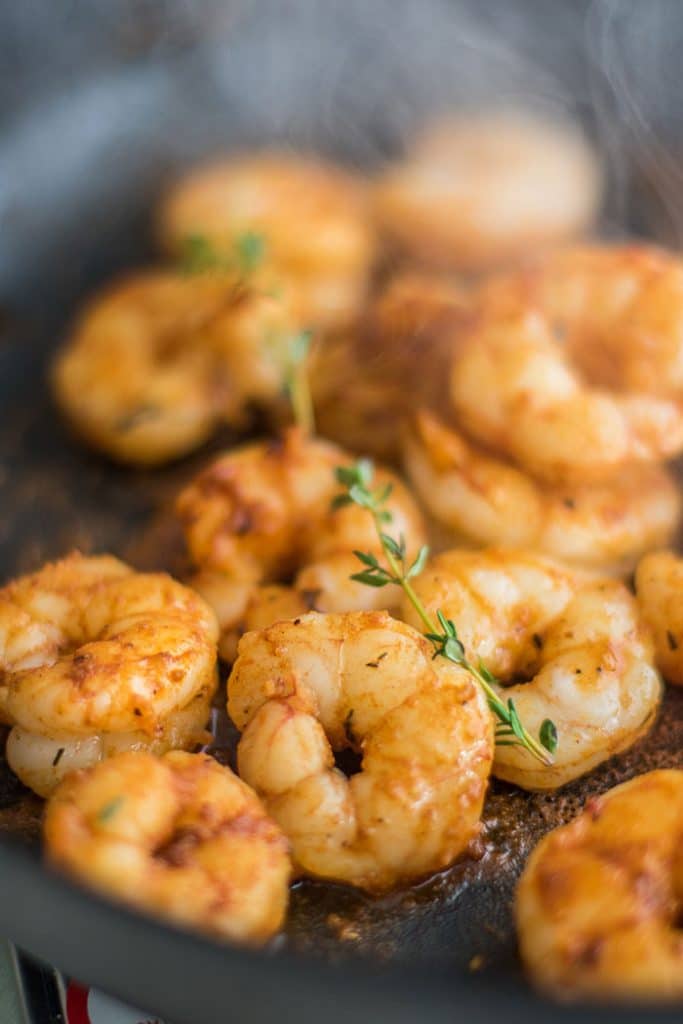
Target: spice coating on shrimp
{"points": [[483, 499], [573, 367], [263, 513], [303, 688], [156, 362], [579, 643], [311, 215], [598, 902], [179, 836], [97, 658]]}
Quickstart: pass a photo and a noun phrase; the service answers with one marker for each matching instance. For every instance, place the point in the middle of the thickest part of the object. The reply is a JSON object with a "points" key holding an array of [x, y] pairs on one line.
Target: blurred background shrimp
{"points": [[179, 836], [305, 688], [96, 659], [158, 361], [479, 499], [572, 365], [480, 191], [312, 216]]}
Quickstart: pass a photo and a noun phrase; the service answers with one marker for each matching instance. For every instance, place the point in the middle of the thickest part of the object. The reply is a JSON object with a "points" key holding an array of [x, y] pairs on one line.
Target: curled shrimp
{"points": [[659, 587], [579, 646], [179, 836], [598, 903], [263, 514], [574, 367], [482, 499], [311, 215], [476, 192], [158, 361], [96, 659], [367, 385], [302, 689]]}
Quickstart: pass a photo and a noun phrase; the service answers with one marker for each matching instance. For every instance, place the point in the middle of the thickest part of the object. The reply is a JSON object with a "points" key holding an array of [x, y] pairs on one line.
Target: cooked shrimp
{"points": [[478, 191], [301, 689], [482, 499], [579, 646], [97, 658], [659, 588], [574, 367], [311, 215], [180, 836], [598, 905], [158, 361], [367, 385], [263, 514]]}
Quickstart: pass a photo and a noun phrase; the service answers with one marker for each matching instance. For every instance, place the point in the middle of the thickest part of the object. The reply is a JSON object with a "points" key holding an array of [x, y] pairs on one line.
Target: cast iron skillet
{"points": [[99, 104]]}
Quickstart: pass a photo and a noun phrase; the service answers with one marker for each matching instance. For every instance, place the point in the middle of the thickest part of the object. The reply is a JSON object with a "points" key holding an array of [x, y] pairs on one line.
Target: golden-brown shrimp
{"points": [[579, 646], [312, 216], [159, 360], [475, 192], [97, 658], [180, 836], [363, 681], [263, 514], [482, 499], [659, 588], [574, 367], [367, 385], [598, 904]]}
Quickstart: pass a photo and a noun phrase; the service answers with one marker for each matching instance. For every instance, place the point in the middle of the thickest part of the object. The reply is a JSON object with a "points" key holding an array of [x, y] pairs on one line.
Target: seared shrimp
{"points": [[311, 215], [96, 659], [367, 385], [263, 514], [482, 499], [659, 587], [158, 361], [476, 192], [598, 904], [574, 367], [302, 689], [584, 655], [180, 836]]}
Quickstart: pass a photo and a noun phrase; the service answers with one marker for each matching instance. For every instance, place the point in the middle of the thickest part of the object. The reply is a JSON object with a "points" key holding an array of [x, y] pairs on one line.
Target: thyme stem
{"points": [[440, 631]]}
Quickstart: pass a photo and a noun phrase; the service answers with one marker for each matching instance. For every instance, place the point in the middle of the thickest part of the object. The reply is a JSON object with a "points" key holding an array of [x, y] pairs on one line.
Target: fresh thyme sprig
{"points": [[199, 255], [296, 380], [442, 632]]}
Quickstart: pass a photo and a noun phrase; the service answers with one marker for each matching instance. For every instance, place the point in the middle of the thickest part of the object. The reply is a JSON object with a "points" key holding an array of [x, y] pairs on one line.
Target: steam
{"points": [[635, 51]]}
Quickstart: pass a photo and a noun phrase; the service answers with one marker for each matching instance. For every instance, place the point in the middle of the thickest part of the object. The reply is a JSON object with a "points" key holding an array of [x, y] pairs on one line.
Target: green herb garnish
{"points": [[296, 380], [199, 255], [442, 633], [110, 809]]}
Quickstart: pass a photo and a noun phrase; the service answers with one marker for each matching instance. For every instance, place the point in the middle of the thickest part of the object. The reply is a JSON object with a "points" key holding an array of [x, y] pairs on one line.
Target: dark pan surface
{"points": [[79, 167]]}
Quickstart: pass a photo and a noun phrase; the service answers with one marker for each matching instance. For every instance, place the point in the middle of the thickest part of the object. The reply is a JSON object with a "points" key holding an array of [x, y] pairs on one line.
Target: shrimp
{"points": [[366, 386], [263, 514], [476, 192], [302, 689], [312, 216], [158, 361], [659, 587], [179, 836], [574, 367], [96, 659], [598, 904], [578, 644], [482, 499]]}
